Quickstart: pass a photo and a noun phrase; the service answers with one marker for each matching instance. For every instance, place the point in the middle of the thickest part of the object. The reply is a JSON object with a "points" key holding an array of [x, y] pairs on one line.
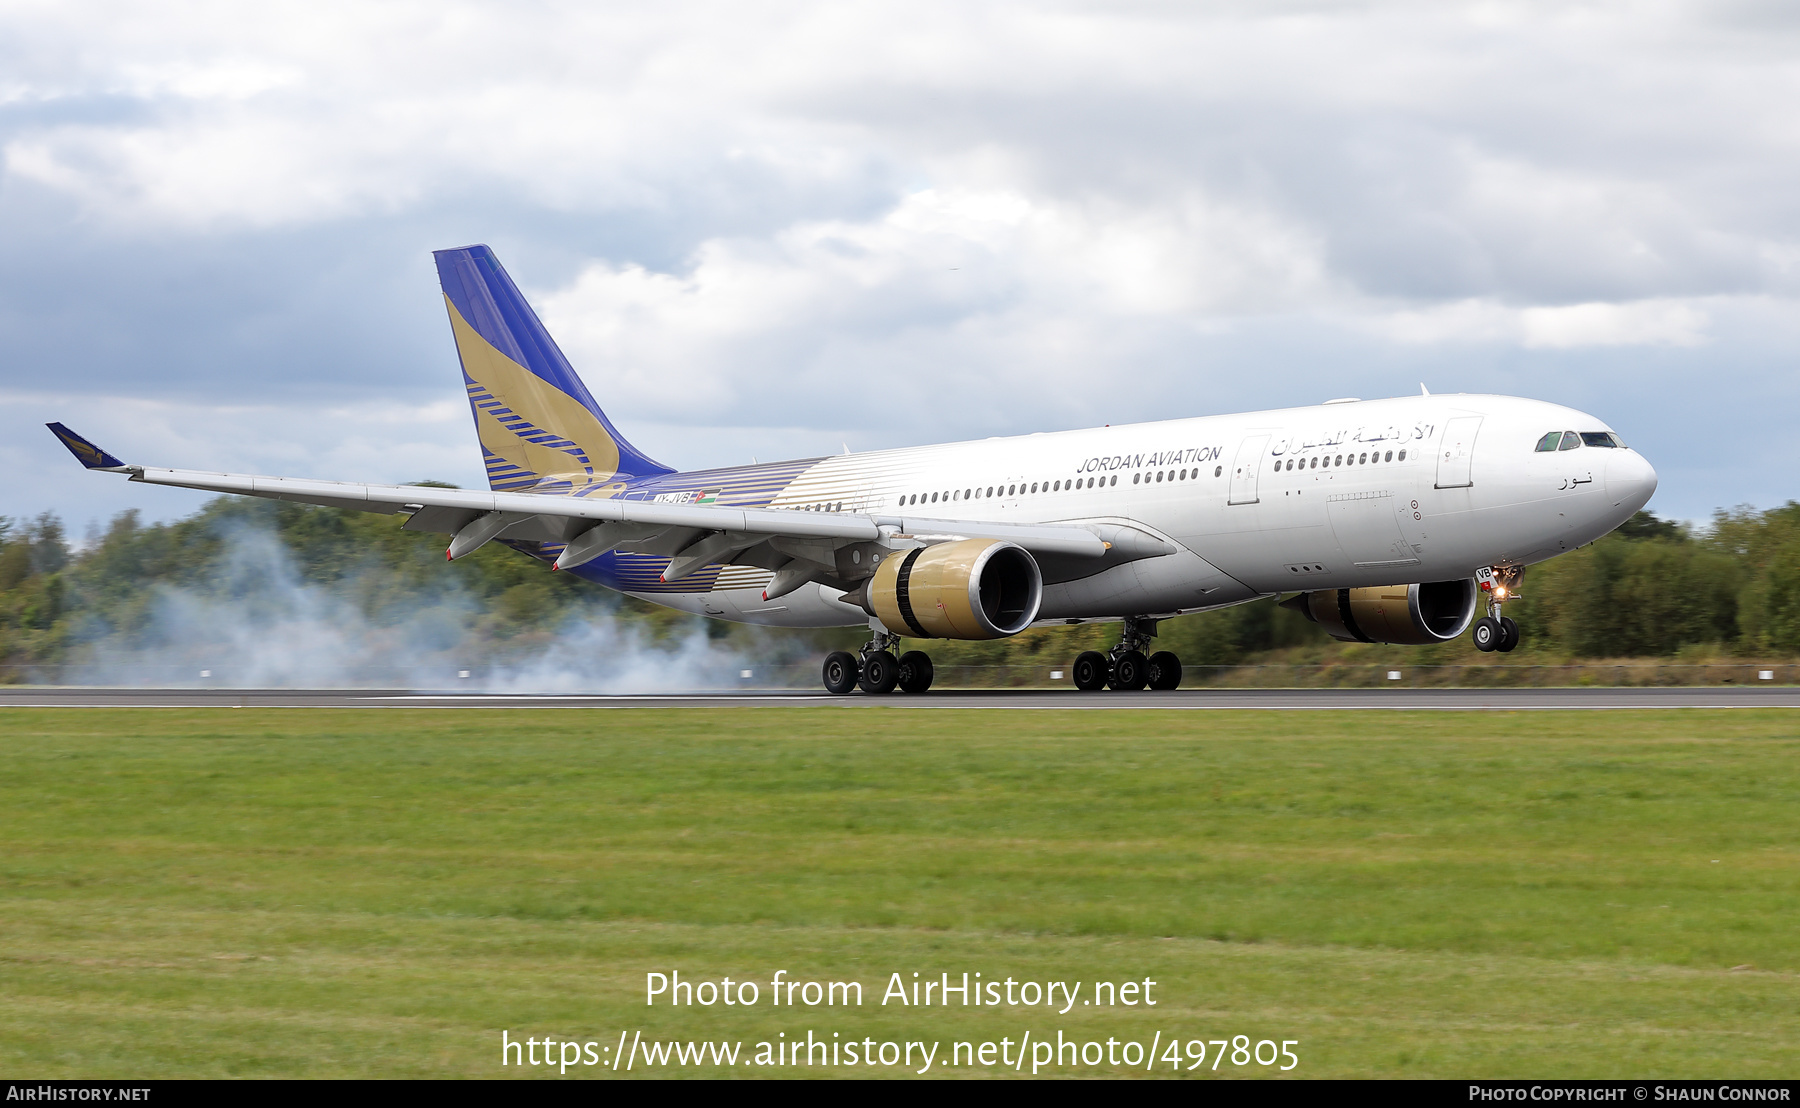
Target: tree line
{"points": [[1652, 588]]}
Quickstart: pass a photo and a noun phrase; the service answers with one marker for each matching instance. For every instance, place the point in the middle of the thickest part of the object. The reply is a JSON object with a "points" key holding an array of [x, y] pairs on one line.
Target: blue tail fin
{"points": [[538, 424]]}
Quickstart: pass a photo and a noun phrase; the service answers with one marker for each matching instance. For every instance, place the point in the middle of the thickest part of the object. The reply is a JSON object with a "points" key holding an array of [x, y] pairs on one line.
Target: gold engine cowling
{"points": [[969, 589], [1406, 615]]}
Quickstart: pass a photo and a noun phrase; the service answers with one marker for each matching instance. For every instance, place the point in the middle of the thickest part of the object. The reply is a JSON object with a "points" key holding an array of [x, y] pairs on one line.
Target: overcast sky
{"points": [[773, 229]]}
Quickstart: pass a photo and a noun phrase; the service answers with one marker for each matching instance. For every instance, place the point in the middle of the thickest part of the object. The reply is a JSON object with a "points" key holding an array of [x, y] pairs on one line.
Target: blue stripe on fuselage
{"points": [[738, 487]]}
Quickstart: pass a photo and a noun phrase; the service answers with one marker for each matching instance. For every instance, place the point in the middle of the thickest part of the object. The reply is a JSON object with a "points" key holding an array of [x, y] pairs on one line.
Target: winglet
{"points": [[85, 452]]}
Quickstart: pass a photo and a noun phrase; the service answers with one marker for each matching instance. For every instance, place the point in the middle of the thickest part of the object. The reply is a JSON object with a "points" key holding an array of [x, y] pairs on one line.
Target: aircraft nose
{"points": [[1630, 480]]}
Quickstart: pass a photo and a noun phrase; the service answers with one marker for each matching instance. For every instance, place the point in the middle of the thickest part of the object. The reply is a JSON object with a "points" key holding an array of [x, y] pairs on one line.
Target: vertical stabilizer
{"points": [[540, 428]]}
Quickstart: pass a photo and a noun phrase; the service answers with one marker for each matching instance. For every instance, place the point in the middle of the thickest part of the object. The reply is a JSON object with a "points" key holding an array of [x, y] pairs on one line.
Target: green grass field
{"points": [[337, 893]]}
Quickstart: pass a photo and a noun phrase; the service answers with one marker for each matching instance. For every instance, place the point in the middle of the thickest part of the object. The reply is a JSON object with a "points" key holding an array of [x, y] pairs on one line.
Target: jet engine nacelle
{"points": [[1407, 615], [969, 589]]}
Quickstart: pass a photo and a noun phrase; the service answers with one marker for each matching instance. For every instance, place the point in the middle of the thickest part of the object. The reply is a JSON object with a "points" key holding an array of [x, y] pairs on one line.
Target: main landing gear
{"points": [[1494, 631], [1125, 667], [876, 670]]}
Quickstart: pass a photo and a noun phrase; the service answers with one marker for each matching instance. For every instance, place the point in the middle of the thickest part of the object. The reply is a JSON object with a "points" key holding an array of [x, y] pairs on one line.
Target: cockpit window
{"points": [[1548, 442], [1601, 438], [1570, 441]]}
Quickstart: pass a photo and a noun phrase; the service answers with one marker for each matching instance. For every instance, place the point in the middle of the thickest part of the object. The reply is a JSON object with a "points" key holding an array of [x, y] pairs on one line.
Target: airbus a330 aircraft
{"points": [[1390, 520]]}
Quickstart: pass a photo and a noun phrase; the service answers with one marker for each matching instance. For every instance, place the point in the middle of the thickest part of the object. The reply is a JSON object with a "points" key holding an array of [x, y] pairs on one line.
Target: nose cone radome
{"points": [[1630, 480]]}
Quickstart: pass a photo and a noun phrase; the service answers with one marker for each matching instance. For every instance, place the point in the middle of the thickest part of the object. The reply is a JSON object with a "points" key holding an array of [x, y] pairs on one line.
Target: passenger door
{"points": [[1456, 451], [1246, 469]]}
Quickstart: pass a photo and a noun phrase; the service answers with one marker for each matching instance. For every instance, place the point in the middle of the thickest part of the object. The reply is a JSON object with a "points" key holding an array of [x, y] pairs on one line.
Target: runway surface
{"points": [[1184, 699]]}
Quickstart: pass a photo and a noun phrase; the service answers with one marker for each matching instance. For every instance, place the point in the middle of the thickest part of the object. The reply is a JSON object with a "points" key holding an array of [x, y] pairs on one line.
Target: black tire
{"points": [[841, 672], [1165, 671], [1486, 634], [1509, 635], [1091, 671], [880, 673], [1130, 672], [915, 671]]}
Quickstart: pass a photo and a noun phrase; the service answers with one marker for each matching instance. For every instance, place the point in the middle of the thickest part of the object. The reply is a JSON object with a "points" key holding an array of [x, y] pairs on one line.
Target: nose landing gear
{"points": [[1495, 631], [1125, 668]]}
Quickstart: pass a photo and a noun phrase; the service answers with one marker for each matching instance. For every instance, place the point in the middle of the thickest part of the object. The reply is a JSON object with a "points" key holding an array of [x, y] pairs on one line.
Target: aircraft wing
{"points": [[808, 545]]}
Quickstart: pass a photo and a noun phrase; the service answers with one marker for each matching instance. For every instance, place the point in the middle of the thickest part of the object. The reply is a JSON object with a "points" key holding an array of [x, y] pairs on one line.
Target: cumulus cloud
{"points": [[912, 297], [1637, 323], [773, 220]]}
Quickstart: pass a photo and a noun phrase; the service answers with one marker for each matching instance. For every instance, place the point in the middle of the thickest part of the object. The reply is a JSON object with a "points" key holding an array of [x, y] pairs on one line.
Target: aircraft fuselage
{"points": [[1339, 495]]}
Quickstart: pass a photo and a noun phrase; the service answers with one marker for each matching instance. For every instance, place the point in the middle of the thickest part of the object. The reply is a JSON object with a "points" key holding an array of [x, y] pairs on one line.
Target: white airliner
{"points": [[1390, 520]]}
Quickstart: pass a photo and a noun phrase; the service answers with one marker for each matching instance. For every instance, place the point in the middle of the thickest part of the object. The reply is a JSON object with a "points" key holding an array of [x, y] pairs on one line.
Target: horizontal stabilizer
{"points": [[85, 452]]}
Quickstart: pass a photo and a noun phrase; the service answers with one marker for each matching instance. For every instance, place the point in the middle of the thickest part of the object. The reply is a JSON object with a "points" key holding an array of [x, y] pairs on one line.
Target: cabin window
{"points": [[1548, 442], [1570, 441], [1402, 455], [1362, 459], [1217, 470], [1600, 438], [934, 498], [1136, 477]]}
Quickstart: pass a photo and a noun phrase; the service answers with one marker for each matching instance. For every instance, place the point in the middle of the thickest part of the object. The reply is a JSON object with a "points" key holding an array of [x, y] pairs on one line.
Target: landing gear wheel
{"points": [[1509, 635], [1487, 634], [1090, 671], [1130, 671], [915, 671], [1165, 670], [880, 673], [841, 672]]}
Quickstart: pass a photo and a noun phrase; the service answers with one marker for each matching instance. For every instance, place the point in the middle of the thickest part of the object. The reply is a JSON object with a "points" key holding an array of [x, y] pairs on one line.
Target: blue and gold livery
{"points": [[540, 429], [85, 452]]}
